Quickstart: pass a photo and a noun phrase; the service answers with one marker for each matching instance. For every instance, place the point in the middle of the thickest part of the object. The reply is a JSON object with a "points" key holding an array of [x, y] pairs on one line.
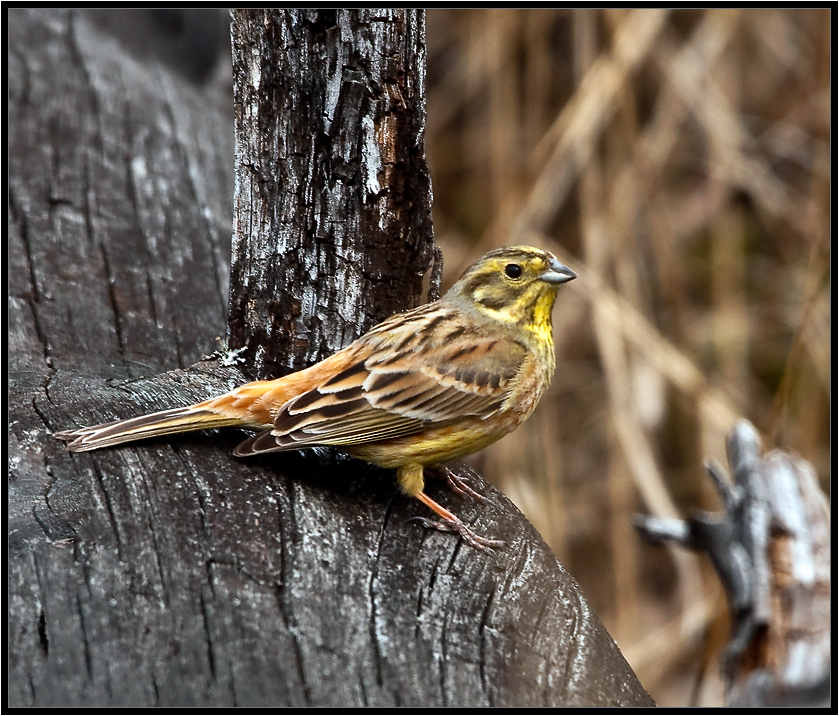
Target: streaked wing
{"points": [[416, 370]]}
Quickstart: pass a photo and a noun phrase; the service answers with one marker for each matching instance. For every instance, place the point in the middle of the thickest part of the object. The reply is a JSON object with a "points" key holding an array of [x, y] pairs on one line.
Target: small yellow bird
{"points": [[423, 387]]}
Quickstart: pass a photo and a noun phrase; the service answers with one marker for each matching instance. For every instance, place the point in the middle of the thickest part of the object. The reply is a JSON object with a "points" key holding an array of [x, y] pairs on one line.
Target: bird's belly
{"points": [[431, 447]]}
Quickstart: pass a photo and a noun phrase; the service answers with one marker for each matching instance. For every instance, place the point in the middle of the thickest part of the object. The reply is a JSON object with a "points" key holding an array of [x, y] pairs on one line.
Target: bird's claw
{"points": [[468, 535], [460, 486]]}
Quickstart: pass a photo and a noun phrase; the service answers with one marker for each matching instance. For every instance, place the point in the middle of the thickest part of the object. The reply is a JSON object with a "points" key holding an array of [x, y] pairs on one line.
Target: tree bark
{"points": [[331, 180], [169, 573]]}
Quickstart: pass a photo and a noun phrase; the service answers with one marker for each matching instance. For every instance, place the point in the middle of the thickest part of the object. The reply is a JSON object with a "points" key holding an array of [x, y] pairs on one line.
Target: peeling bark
{"points": [[170, 573]]}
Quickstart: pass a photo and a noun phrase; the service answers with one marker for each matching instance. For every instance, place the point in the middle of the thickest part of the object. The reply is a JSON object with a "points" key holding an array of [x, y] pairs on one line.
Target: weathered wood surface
{"points": [[170, 573], [772, 550]]}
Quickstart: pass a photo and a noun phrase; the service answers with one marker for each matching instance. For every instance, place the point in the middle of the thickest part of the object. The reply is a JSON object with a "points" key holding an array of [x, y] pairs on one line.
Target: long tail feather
{"points": [[166, 422], [251, 405]]}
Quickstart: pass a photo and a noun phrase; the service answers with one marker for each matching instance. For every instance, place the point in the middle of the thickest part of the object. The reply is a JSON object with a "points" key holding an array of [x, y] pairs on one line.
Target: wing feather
{"points": [[402, 377]]}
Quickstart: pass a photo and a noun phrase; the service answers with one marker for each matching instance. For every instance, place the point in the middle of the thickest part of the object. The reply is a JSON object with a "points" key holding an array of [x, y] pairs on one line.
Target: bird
{"points": [[422, 388]]}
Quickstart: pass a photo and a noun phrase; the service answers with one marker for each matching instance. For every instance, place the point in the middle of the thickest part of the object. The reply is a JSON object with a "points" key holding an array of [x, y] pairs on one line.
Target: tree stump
{"points": [[170, 573]]}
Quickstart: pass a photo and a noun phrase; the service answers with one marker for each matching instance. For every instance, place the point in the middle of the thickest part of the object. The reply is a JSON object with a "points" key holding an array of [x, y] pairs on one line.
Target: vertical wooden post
{"points": [[332, 213]]}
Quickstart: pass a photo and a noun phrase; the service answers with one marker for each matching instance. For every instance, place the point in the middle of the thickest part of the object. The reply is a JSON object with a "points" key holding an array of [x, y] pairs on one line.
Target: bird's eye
{"points": [[513, 271]]}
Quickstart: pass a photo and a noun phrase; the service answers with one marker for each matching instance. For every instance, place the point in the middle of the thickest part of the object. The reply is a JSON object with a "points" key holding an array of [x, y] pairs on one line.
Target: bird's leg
{"points": [[412, 482], [459, 485], [452, 523]]}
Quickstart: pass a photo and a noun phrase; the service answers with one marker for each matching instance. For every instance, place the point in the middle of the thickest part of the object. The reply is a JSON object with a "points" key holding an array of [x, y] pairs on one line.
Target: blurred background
{"points": [[678, 161]]}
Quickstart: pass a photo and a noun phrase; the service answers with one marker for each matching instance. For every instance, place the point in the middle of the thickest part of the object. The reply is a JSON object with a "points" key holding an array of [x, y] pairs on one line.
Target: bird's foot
{"points": [[460, 486], [450, 522], [467, 533]]}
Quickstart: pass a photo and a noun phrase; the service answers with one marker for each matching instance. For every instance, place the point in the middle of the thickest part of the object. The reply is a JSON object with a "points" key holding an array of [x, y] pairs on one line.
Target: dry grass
{"points": [[679, 162]]}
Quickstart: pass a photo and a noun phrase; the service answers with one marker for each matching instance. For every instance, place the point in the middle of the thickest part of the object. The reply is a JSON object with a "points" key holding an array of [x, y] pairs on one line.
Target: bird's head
{"points": [[514, 285]]}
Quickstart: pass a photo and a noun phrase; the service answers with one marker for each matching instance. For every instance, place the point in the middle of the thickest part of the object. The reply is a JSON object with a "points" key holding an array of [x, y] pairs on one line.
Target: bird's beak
{"points": [[557, 273]]}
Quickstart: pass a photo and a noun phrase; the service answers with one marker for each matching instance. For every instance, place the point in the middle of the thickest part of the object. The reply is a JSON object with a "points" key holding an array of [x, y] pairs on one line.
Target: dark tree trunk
{"points": [[170, 573], [331, 180]]}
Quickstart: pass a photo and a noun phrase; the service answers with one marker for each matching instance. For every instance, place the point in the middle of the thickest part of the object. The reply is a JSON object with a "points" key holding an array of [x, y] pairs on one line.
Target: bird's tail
{"points": [[251, 405], [179, 420]]}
